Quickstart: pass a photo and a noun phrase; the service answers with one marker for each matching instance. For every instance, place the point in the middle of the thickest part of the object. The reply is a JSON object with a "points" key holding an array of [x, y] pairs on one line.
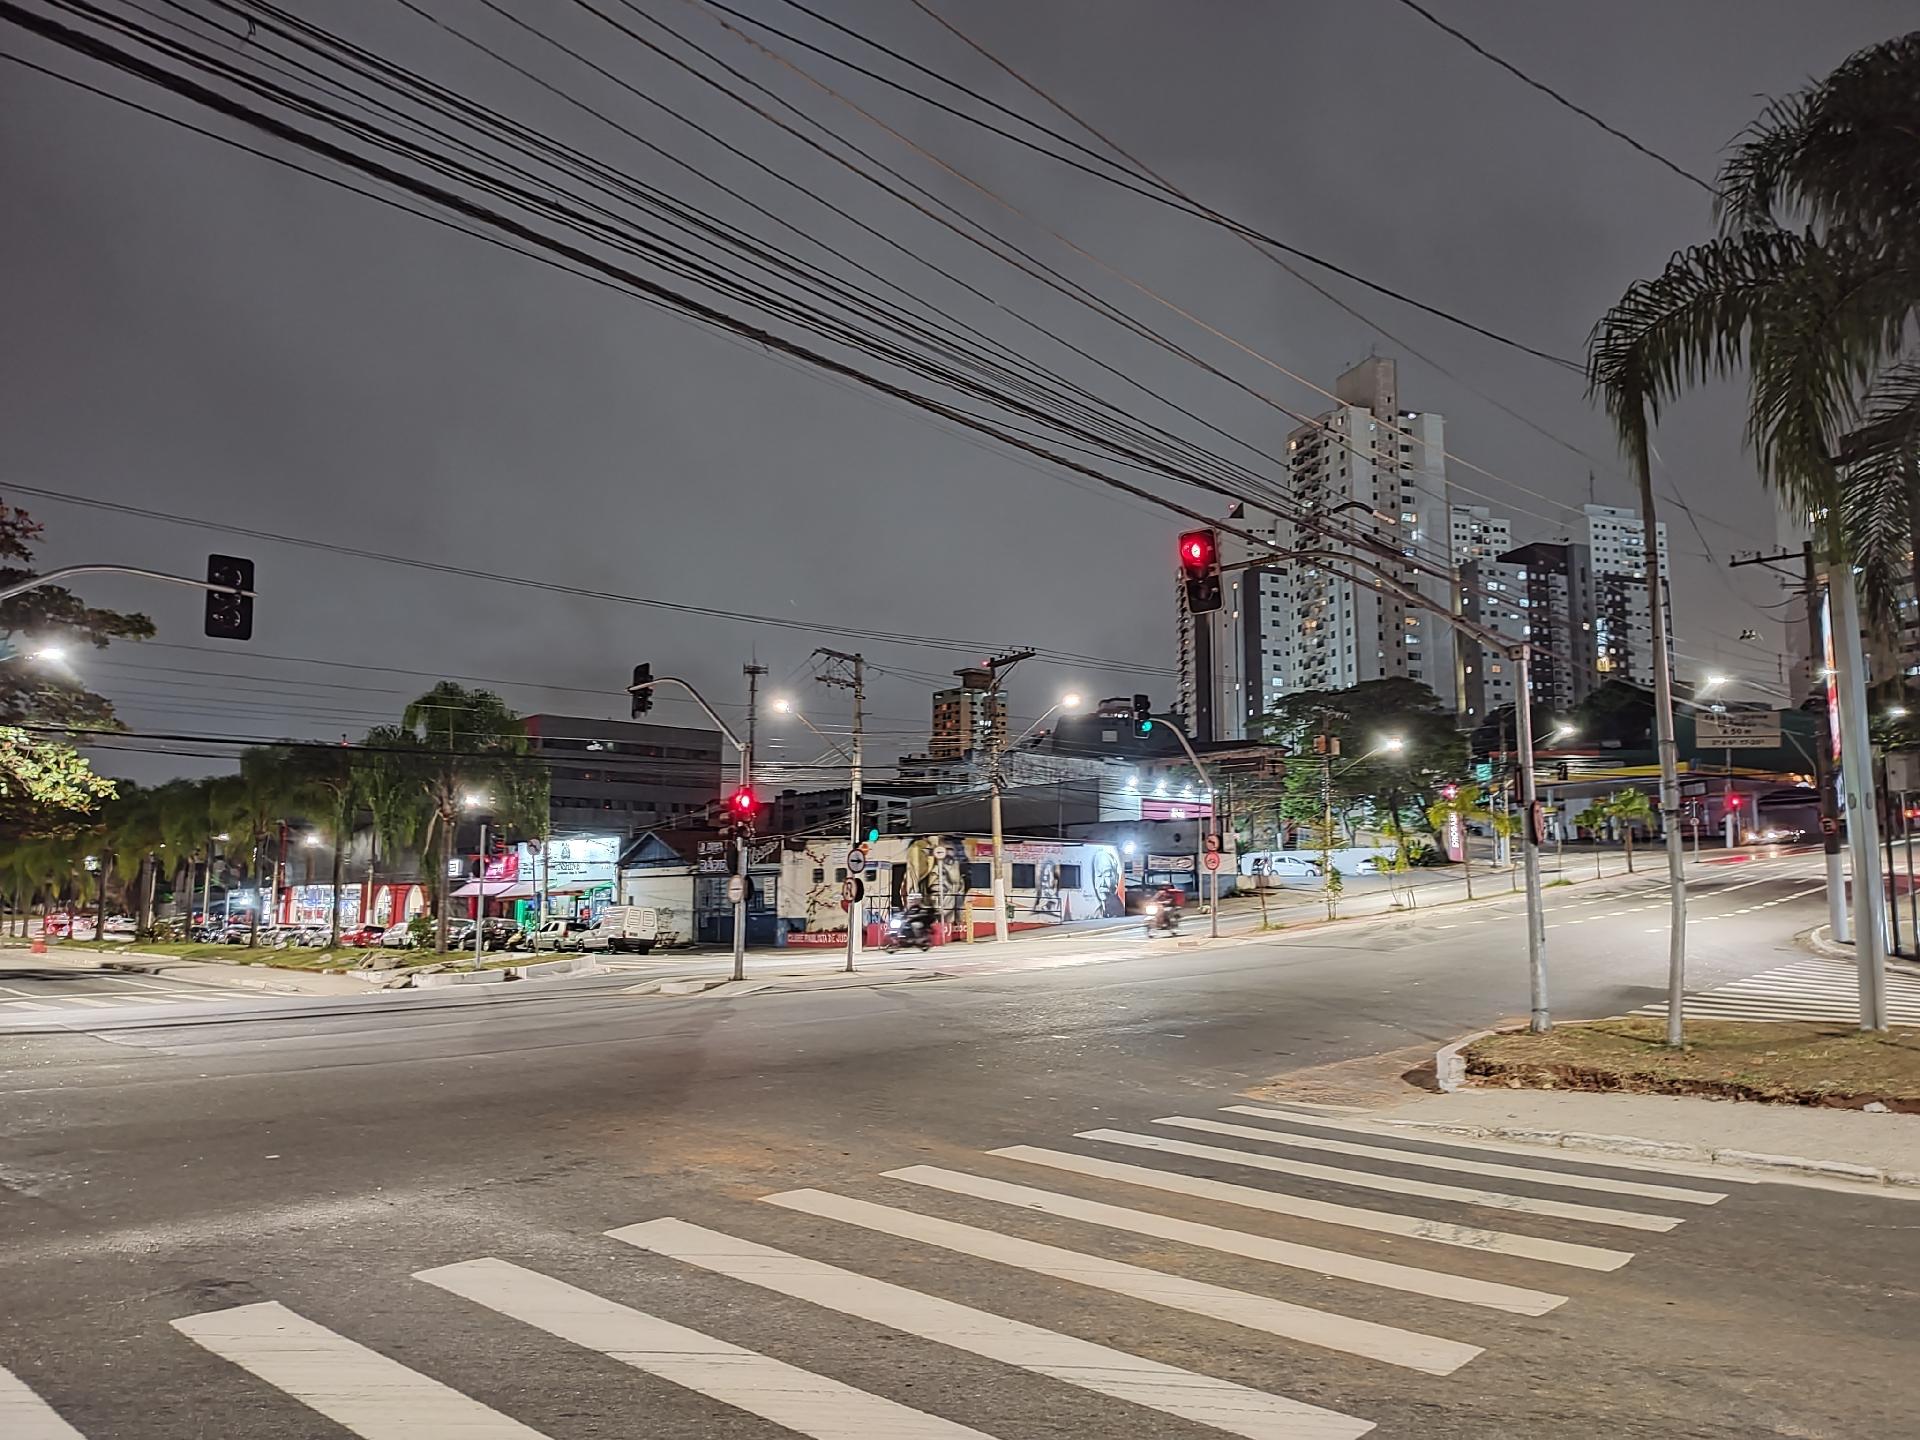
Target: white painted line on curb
{"points": [[1393, 1184], [1385, 1222], [25, 1416], [1336, 1263], [358, 1389], [1386, 1343], [1678, 1193], [788, 1396], [1222, 1404]]}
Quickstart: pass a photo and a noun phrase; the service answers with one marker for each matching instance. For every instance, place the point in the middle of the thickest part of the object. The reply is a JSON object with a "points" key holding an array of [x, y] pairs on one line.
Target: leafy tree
{"points": [[50, 613], [1465, 806], [1813, 289], [46, 788], [1617, 713], [470, 742], [251, 807], [330, 779], [1627, 810]]}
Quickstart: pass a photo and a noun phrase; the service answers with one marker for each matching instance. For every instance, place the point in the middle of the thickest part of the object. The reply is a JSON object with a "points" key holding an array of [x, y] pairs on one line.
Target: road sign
{"points": [[736, 889], [1737, 730], [1211, 859], [1210, 842], [857, 858]]}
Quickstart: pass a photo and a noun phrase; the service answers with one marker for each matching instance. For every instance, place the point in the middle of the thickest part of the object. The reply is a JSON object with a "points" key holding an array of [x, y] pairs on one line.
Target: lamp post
{"points": [[1069, 701]]}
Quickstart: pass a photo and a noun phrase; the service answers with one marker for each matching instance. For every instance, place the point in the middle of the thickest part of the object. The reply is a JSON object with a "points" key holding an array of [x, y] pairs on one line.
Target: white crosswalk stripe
{"points": [[785, 1394], [1809, 990], [25, 1416], [1370, 1180], [360, 1390], [1385, 1222], [1387, 1343], [1532, 1174], [1384, 1273], [1169, 1389]]}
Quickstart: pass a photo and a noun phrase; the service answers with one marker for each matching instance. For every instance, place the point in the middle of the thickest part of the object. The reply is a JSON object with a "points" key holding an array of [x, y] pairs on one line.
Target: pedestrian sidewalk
{"points": [[1830, 1143]]}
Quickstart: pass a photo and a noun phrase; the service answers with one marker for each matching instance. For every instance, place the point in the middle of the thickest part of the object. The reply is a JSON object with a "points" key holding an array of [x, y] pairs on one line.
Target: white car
{"points": [[1293, 867]]}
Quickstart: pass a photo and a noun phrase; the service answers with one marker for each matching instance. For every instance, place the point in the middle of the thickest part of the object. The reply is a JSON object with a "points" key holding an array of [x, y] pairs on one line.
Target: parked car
{"points": [[554, 935], [396, 937], [121, 926], [624, 928], [1292, 867], [360, 937]]}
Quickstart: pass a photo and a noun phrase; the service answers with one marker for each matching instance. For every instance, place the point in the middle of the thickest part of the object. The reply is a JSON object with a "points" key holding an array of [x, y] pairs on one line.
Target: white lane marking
{"points": [[1408, 1130], [1386, 1343], [758, 1384], [1447, 1162], [28, 1005], [360, 1390], [1385, 1222], [1105, 1371], [25, 1416], [1393, 1184], [1436, 1283], [1435, 927], [15, 990], [87, 1000]]}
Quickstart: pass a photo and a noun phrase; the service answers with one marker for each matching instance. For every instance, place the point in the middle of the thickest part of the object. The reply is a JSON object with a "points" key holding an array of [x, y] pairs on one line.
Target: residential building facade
{"points": [[969, 716]]}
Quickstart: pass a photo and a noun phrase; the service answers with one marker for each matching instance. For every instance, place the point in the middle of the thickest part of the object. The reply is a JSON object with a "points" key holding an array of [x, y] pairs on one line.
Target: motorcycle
{"points": [[1162, 917], [907, 933]]}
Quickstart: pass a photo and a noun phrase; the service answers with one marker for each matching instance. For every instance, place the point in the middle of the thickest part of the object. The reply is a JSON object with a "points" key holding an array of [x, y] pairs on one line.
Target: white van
{"points": [[624, 928]]}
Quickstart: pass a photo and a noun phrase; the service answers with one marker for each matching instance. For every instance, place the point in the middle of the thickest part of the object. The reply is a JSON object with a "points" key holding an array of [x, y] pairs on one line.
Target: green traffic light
{"points": [[1145, 726], [873, 834]]}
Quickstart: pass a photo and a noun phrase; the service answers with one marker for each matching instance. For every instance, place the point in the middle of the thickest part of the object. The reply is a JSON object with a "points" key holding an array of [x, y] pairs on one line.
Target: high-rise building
{"points": [[1557, 595], [1364, 466], [1478, 534], [969, 716], [622, 776]]}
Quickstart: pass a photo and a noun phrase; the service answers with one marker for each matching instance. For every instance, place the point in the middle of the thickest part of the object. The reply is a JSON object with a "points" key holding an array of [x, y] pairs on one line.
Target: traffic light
{"points": [[1200, 570], [1447, 792], [229, 613], [1142, 715], [741, 804], [642, 690]]}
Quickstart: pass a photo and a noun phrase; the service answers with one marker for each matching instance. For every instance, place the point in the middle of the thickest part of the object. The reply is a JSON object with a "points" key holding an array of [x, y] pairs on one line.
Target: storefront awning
{"points": [[495, 890]]}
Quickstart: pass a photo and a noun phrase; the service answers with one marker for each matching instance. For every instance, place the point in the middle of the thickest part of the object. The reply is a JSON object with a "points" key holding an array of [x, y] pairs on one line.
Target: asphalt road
{"points": [[390, 1220]]}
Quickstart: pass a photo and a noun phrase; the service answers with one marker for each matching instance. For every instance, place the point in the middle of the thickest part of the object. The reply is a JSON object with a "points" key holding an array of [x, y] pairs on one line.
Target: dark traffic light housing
{"points": [[741, 805], [1142, 715], [1200, 570], [229, 614], [642, 690]]}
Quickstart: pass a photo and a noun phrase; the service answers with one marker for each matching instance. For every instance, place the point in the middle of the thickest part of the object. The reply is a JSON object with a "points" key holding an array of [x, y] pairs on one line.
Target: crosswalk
{"points": [[54, 1008], [1814, 989], [1286, 1257]]}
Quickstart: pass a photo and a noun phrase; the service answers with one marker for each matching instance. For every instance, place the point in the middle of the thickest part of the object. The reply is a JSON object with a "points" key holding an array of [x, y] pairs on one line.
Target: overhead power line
{"points": [[1159, 197], [1554, 95]]}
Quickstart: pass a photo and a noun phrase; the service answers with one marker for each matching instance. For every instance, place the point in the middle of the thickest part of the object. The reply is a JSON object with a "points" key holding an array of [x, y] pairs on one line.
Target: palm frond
{"points": [[1879, 489], [1841, 153]]}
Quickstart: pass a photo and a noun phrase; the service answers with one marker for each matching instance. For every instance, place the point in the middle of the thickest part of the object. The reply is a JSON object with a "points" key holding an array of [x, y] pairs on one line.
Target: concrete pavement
{"points": [[990, 1205]]}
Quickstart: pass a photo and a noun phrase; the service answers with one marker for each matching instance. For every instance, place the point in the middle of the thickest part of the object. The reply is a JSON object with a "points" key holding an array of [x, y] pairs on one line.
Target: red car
{"points": [[362, 936]]}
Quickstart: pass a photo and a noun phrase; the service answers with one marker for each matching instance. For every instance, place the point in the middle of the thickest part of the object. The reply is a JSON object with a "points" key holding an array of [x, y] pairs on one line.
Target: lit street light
{"points": [[45, 655]]}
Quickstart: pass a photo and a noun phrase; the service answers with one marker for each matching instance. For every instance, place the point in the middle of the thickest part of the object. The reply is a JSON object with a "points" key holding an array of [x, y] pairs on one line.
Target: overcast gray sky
{"points": [[197, 331]]}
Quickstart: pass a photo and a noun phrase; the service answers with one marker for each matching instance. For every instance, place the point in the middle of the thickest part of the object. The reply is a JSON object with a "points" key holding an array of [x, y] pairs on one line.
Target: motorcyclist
{"points": [[921, 915], [1167, 901]]}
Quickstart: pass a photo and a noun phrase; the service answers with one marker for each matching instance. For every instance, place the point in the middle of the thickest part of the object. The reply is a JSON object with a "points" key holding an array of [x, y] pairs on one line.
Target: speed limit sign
{"points": [[851, 892]]}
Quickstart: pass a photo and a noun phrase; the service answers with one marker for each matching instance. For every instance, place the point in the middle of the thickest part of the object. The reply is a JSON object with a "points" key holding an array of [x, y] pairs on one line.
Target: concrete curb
{"points": [[1819, 941], [461, 977], [245, 977], [1450, 1065], [1667, 1150]]}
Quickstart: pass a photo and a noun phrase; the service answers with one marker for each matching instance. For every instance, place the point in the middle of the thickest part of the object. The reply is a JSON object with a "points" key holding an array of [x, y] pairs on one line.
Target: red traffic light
{"points": [[742, 803], [1447, 792], [1196, 549]]}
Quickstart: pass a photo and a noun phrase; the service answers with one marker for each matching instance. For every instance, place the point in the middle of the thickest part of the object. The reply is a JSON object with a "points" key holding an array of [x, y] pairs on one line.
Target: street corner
{"points": [[1367, 1082]]}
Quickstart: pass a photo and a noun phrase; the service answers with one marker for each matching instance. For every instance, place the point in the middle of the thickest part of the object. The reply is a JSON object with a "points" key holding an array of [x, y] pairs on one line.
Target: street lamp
{"points": [[1393, 744], [1712, 681], [785, 707], [1564, 731], [1896, 712], [47, 654], [473, 800], [1070, 702]]}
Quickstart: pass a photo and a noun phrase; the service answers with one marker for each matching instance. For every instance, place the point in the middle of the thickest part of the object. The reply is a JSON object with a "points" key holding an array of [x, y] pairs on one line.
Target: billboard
{"points": [[570, 862]]}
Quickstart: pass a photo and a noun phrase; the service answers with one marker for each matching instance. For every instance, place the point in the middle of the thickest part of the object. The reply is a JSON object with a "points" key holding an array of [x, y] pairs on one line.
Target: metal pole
{"points": [[1669, 751], [1823, 759], [855, 912], [998, 888], [1540, 1019], [753, 674], [1856, 778], [206, 885], [1893, 887], [480, 899], [1913, 896]]}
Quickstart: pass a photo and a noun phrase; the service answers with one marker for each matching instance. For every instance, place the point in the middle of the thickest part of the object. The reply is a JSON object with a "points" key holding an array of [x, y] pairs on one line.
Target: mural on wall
{"points": [[1109, 884]]}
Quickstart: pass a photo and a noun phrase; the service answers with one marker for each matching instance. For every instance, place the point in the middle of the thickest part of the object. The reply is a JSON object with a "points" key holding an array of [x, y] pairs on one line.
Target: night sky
{"points": [[196, 331]]}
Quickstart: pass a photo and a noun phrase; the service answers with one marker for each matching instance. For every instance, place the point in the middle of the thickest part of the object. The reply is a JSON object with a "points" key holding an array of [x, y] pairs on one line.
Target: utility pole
{"points": [[1856, 779], [480, 902], [996, 667], [850, 674], [753, 674], [1540, 1018], [1823, 757]]}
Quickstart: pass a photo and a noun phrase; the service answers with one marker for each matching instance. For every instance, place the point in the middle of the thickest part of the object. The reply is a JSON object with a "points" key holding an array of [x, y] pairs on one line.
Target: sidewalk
{"points": [[1833, 1144]]}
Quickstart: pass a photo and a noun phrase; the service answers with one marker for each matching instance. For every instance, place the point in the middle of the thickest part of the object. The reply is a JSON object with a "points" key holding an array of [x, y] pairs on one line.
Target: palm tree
{"points": [[252, 805], [470, 742], [331, 778], [1462, 805], [1814, 287], [1626, 810]]}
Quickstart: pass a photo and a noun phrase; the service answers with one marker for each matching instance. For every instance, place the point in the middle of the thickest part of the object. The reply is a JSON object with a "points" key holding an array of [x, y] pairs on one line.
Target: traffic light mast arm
{"points": [[54, 577], [698, 699]]}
